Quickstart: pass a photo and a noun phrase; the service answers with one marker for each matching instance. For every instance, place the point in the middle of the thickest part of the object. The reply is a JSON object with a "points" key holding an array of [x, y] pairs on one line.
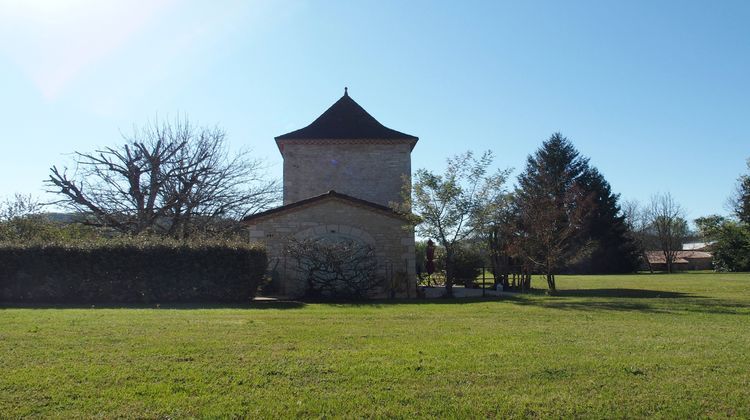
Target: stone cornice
{"points": [[282, 142]]}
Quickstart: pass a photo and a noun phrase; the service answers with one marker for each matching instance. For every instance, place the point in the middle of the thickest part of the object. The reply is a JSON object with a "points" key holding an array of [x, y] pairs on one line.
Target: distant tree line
{"points": [[730, 236], [22, 221], [561, 217]]}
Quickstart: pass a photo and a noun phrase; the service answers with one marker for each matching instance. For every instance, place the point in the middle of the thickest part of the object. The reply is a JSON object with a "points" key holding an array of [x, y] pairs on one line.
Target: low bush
{"points": [[130, 271], [468, 265]]}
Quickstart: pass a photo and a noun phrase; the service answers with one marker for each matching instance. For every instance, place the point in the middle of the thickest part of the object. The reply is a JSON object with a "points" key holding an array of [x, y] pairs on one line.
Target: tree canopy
{"points": [[730, 242], [667, 223], [449, 205], [741, 198], [568, 215], [552, 207]]}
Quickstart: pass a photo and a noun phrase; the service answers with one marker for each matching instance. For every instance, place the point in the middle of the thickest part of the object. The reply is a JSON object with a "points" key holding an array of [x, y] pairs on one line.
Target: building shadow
{"points": [[254, 305], [587, 300], [278, 304]]}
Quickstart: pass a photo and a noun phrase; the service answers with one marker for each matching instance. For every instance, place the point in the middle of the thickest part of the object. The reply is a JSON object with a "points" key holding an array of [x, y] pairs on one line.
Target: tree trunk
{"points": [[449, 272], [449, 269], [527, 281], [668, 260], [500, 271], [551, 282]]}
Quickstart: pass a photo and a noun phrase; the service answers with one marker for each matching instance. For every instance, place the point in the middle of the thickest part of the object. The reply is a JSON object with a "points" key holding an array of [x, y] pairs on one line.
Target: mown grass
{"points": [[608, 346]]}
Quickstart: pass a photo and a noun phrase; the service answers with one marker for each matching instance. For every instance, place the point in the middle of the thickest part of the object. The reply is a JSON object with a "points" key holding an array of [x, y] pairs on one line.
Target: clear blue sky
{"points": [[656, 93]]}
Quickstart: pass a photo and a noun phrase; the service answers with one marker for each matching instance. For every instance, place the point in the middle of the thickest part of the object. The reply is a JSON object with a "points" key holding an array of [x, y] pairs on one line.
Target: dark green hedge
{"points": [[130, 273]]}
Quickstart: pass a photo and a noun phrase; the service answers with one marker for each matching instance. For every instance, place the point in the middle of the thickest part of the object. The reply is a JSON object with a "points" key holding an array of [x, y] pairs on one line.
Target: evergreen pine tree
{"points": [[613, 249], [570, 219], [552, 207]]}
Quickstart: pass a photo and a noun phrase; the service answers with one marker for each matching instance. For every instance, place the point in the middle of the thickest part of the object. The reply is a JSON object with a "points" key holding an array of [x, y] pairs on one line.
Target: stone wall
{"points": [[394, 245], [372, 171]]}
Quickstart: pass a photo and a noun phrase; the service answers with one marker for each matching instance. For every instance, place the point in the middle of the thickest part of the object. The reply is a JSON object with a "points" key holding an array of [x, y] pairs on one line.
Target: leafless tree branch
{"points": [[168, 177]]}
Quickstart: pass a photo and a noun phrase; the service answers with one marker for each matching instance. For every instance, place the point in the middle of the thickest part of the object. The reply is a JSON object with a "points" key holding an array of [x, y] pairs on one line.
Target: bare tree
{"points": [[19, 206], [551, 230], [336, 267], [638, 222], [495, 224], [171, 178], [20, 219], [667, 220]]}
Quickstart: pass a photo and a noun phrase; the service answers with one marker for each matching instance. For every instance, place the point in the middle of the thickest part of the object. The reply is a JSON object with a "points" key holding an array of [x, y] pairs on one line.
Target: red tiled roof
{"points": [[680, 257]]}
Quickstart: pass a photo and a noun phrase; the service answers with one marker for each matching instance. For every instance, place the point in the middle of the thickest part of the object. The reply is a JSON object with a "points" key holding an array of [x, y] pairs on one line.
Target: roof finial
{"points": [[346, 91]]}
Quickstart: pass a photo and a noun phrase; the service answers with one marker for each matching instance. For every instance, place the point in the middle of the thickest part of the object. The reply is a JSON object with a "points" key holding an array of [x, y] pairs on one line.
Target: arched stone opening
{"points": [[335, 261]]}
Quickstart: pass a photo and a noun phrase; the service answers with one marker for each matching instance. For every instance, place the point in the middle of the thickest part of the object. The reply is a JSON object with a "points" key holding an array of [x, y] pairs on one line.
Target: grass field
{"points": [[608, 346]]}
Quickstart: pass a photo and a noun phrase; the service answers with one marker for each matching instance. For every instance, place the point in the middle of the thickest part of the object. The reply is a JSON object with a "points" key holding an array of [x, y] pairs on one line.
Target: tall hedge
{"points": [[130, 273]]}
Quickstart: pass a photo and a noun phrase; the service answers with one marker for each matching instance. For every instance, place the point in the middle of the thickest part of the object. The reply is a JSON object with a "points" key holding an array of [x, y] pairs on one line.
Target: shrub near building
{"points": [[131, 271]]}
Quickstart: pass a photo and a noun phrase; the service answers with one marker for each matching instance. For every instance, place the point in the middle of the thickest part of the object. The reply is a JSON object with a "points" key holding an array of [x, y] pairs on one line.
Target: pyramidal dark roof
{"points": [[346, 119]]}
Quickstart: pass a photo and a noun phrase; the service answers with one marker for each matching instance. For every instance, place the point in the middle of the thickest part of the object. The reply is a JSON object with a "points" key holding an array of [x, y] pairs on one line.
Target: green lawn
{"points": [[608, 346]]}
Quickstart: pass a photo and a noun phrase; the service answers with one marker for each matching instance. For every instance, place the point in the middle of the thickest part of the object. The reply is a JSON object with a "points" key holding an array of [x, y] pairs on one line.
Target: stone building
{"points": [[342, 174]]}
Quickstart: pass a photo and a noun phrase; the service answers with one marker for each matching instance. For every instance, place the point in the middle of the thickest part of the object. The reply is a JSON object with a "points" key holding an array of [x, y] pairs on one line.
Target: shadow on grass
{"points": [[266, 304], [590, 305], [254, 305], [396, 302], [624, 293], [613, 299], [633, 300], [534, 298]]}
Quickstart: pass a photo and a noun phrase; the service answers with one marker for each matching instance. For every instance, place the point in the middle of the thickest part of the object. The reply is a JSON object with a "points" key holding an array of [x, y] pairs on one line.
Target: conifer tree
{"points": [[613, 249], [553, 207], [569, 217]]}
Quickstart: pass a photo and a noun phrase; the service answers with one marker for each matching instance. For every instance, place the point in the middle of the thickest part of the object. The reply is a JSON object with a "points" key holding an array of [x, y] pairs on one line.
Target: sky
{"points": [[655, 93]]}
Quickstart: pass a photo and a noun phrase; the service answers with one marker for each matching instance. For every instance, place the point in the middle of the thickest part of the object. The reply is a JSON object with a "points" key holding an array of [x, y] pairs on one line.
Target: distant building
{"points": [[683, 260], [341, 174], [698, 246]]}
